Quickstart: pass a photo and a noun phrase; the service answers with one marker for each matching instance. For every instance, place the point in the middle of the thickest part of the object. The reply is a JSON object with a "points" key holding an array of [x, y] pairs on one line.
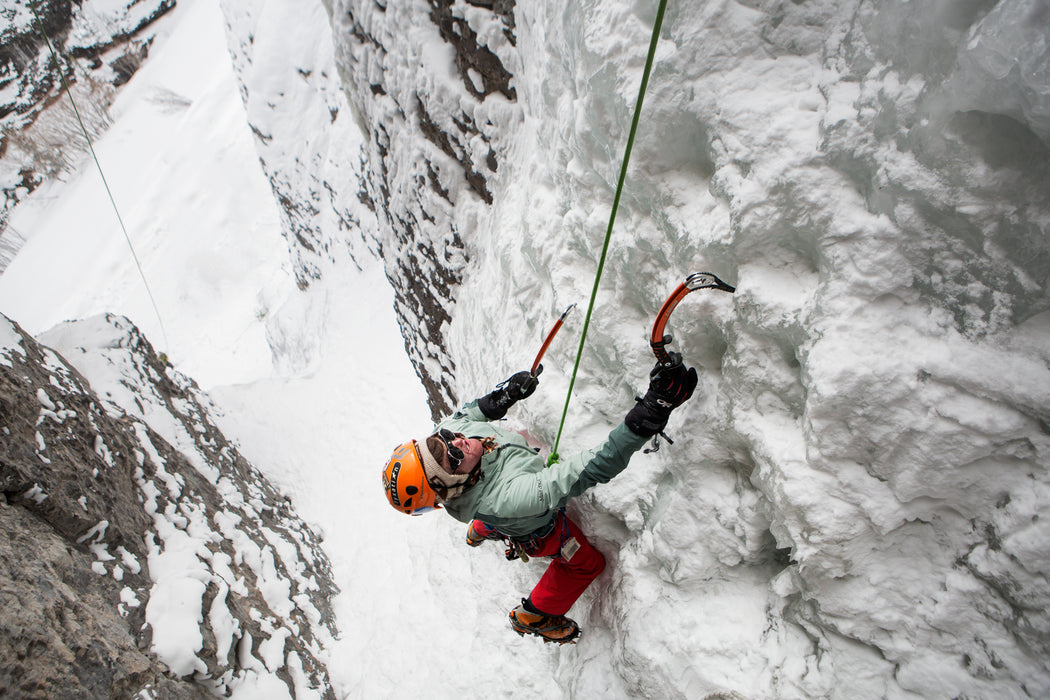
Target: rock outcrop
{"points": [[388, 162], [432, 144], [141, 551]]}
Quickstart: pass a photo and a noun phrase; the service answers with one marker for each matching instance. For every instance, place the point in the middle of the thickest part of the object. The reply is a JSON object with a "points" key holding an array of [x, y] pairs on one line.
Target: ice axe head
{"points": [[697, 280]]}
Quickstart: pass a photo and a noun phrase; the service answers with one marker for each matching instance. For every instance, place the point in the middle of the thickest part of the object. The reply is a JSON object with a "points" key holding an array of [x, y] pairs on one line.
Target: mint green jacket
{"points": [[518, 494]]}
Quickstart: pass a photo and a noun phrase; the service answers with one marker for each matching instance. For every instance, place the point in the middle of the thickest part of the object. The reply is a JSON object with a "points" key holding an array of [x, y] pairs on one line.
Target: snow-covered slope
{"points": [[180, 164], [307, 136]]}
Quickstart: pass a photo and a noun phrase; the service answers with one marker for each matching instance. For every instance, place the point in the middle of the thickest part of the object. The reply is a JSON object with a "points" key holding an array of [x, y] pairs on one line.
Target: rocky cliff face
{"points": [[432, 143], [141, 551], [363, 156], [71, 624]]}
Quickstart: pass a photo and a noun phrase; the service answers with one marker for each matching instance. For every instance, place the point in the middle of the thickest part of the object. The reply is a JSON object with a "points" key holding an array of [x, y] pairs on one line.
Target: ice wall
{"points": [[876, 395], [852, 506]]}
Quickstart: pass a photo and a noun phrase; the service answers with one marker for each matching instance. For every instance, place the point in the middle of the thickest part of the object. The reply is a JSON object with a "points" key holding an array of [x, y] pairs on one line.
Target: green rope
{"points": [[612, 218], [91, 148]]}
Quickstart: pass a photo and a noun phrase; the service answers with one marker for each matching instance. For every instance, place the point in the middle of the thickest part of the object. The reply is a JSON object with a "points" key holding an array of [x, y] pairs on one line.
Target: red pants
{"points": [[575, 563]]}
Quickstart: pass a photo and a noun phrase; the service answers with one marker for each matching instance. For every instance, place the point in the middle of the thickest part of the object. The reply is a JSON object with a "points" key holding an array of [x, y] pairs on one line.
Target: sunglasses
{"points": [[455, 455]]}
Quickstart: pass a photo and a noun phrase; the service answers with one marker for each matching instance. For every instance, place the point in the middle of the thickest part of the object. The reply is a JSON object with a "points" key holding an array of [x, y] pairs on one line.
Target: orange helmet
{"points": [[405, 481]]}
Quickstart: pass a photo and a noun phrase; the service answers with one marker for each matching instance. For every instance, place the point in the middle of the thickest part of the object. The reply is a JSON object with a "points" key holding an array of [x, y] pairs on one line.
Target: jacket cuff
{"points": [[491, 407]]}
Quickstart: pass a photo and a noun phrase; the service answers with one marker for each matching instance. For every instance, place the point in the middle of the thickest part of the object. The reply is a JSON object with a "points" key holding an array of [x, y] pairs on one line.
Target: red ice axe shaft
{"points": [[550, 337], [697, 280]]}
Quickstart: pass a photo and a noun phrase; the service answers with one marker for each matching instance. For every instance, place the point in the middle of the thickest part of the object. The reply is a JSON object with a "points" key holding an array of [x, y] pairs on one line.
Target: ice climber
{"points": [[488, 477]]}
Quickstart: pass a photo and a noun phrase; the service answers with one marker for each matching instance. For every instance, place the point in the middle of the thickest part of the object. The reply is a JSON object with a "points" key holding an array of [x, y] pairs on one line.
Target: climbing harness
{"points": [[105, 183], [521, 546], [654, 40], [515, 550]]}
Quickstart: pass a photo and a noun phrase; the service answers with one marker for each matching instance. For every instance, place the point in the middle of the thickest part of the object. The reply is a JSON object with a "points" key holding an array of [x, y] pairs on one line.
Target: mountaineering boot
{"points": [[552, 628], [478, 532]]}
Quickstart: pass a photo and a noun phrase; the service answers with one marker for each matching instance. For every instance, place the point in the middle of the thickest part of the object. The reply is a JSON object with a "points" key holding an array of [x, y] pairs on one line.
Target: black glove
{"points": [[518, 386], [669, 387]]}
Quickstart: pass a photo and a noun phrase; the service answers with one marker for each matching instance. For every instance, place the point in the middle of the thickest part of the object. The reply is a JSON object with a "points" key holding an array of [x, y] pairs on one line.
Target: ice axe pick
{"points": [[550, 337]]}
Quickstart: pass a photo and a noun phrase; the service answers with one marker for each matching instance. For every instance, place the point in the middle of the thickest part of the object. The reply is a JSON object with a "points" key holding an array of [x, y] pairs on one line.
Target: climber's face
{"points": [[461, 454], [471, 449]]}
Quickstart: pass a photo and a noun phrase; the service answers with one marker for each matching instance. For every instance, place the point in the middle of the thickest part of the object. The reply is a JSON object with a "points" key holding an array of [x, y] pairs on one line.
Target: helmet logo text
{"points": [[393, 484]]}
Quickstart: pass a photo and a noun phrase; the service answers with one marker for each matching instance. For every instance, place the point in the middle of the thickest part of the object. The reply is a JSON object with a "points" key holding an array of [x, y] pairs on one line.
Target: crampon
{"points": [[550, 628]]}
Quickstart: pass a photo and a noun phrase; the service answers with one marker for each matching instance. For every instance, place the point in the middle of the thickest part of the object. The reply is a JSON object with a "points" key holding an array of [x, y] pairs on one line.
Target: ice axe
{"points": [[547, 341], [697, 280]]}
